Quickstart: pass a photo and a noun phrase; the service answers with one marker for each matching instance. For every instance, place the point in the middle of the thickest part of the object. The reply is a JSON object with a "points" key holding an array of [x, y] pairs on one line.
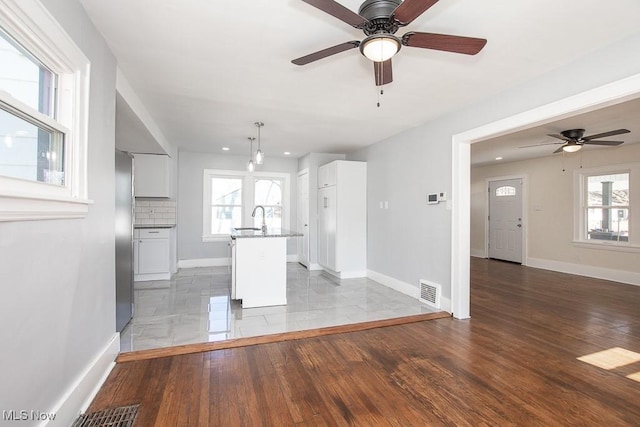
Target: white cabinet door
{"points": [[327, 227], [327, 174], [153, 256], [234, 290], [152, 175]]}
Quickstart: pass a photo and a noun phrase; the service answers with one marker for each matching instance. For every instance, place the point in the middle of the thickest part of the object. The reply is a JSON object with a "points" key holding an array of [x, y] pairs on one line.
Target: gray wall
{"points": [[411, 240], [190, 174], [57, 308]]}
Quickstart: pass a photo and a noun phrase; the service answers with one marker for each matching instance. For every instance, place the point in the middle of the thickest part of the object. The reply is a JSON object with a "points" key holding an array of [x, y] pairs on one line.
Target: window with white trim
{"points": [[44, 89], [268, 194], [229, 198], [606, 206]]}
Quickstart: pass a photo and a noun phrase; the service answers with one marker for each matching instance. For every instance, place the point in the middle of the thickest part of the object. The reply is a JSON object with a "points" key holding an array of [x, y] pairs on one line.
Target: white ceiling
{"points": [[207, 70]]}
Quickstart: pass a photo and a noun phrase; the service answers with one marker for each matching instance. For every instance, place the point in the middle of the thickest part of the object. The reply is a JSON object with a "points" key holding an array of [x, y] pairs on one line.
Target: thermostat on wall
{"points": [[435, 198]]}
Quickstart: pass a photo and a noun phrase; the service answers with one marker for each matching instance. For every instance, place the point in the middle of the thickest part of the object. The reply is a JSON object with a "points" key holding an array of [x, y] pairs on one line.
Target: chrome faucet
{"points": [[264, 223]]}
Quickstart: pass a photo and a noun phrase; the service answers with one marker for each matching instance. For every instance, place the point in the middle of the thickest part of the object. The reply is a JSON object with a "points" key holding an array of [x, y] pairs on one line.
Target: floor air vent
{"points": [[123, 416], [430, 293]]}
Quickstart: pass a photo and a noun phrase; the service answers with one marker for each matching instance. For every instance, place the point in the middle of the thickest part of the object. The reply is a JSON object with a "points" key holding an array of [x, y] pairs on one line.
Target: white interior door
{"points": [[505, 220], [303, 218]]}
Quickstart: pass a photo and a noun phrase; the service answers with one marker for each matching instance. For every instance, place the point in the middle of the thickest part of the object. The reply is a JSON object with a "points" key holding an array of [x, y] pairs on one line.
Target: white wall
{"points": [[190, 178], [57, 304], [550, 210], [412, 240]]}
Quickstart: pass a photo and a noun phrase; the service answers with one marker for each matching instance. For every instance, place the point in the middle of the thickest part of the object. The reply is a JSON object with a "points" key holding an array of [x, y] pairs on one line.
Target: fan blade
{"points": [[555, 135], [559, 150], [338, 11], [383, 72], [606, 134], [613, 143], [540, 145], [410, 10], [446, 42], [304, 60]]}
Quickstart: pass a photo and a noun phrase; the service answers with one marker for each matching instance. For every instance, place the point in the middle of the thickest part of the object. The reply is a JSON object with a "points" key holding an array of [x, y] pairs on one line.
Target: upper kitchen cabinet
{"points": [[327, 175], [152, 175]]}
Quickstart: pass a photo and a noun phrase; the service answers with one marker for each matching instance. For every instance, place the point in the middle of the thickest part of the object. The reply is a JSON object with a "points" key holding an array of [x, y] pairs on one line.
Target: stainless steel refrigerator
{"points": [[124, 239]]}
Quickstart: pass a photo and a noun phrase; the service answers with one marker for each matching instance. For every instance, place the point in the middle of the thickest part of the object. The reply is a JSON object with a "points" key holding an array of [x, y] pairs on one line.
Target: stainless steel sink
{"points": [[246, 228]]}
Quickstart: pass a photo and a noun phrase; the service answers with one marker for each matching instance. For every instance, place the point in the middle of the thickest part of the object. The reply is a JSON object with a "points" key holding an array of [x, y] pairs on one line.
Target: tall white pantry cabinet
{"points": [[342, 218]]}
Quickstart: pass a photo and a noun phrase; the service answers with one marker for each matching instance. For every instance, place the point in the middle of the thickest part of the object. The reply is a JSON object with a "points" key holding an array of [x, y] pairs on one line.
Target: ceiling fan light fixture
{"points": [[572, 148], [380, 47]]}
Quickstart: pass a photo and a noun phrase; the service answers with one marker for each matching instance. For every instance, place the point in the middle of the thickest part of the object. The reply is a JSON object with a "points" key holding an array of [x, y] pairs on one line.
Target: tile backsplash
{"points": [[155, 212]]}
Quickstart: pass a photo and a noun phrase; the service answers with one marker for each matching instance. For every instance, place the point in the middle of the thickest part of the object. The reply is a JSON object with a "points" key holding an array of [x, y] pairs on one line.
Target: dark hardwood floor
{"points": [[513, 364]]}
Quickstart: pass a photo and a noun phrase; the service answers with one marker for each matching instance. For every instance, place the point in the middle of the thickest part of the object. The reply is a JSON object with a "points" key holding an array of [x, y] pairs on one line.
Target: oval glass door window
{"points": [[505, 191]]}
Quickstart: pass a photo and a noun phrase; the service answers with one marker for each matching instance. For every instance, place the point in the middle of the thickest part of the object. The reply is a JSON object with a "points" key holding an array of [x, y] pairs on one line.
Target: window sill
{"points": [[607, 246], [20, 207]]}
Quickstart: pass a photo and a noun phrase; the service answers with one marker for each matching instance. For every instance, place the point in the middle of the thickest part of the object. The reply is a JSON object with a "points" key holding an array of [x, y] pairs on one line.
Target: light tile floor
{"points": [[195, 306]]}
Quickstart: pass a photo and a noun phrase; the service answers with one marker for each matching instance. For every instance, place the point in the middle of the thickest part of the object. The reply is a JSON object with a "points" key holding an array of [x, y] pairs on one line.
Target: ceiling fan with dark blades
{"points": [[574, 139], [380, 20]]}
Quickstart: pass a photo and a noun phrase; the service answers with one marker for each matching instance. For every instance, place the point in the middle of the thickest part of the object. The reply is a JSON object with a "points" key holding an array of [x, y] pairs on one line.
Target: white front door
{"points": [[303, 218], [505, 220]]}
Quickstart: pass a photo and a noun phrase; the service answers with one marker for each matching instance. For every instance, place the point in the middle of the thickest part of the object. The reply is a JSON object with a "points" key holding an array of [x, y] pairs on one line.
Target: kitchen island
{"points": [[259, 266]]}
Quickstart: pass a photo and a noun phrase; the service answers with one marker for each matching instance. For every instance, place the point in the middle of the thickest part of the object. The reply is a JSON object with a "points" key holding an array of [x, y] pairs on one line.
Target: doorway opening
{"points": [[603, 96]]}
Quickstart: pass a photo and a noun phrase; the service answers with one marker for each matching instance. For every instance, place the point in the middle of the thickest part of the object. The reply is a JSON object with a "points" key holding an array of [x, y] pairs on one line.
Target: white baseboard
{"points": [[77, 398], [478, 253], [346, 274], [315, 267], [405, 288], [151, 276], [203, 262], [217, 262], [398, 285], [628, 277]]}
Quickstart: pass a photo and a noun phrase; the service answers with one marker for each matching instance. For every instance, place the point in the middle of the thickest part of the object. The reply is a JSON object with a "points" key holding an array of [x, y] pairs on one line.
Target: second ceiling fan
{"points": [[380, 20], [572, 140]]}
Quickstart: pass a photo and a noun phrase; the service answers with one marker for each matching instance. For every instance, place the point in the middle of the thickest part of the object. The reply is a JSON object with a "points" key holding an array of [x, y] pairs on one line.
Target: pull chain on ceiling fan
{"points": [[380, 20]]}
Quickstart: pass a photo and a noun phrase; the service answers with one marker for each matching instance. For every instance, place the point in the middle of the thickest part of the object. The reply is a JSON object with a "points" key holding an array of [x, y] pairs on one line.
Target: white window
{"points": [[229, 198], [226, 204], [607, 199], [268, 194], [43, 116]]}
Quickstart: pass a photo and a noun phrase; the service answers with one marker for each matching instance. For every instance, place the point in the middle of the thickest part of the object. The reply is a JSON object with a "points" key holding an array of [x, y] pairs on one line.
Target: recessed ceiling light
{"points": [[498, 158], [286, 153], [225, 148]]}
